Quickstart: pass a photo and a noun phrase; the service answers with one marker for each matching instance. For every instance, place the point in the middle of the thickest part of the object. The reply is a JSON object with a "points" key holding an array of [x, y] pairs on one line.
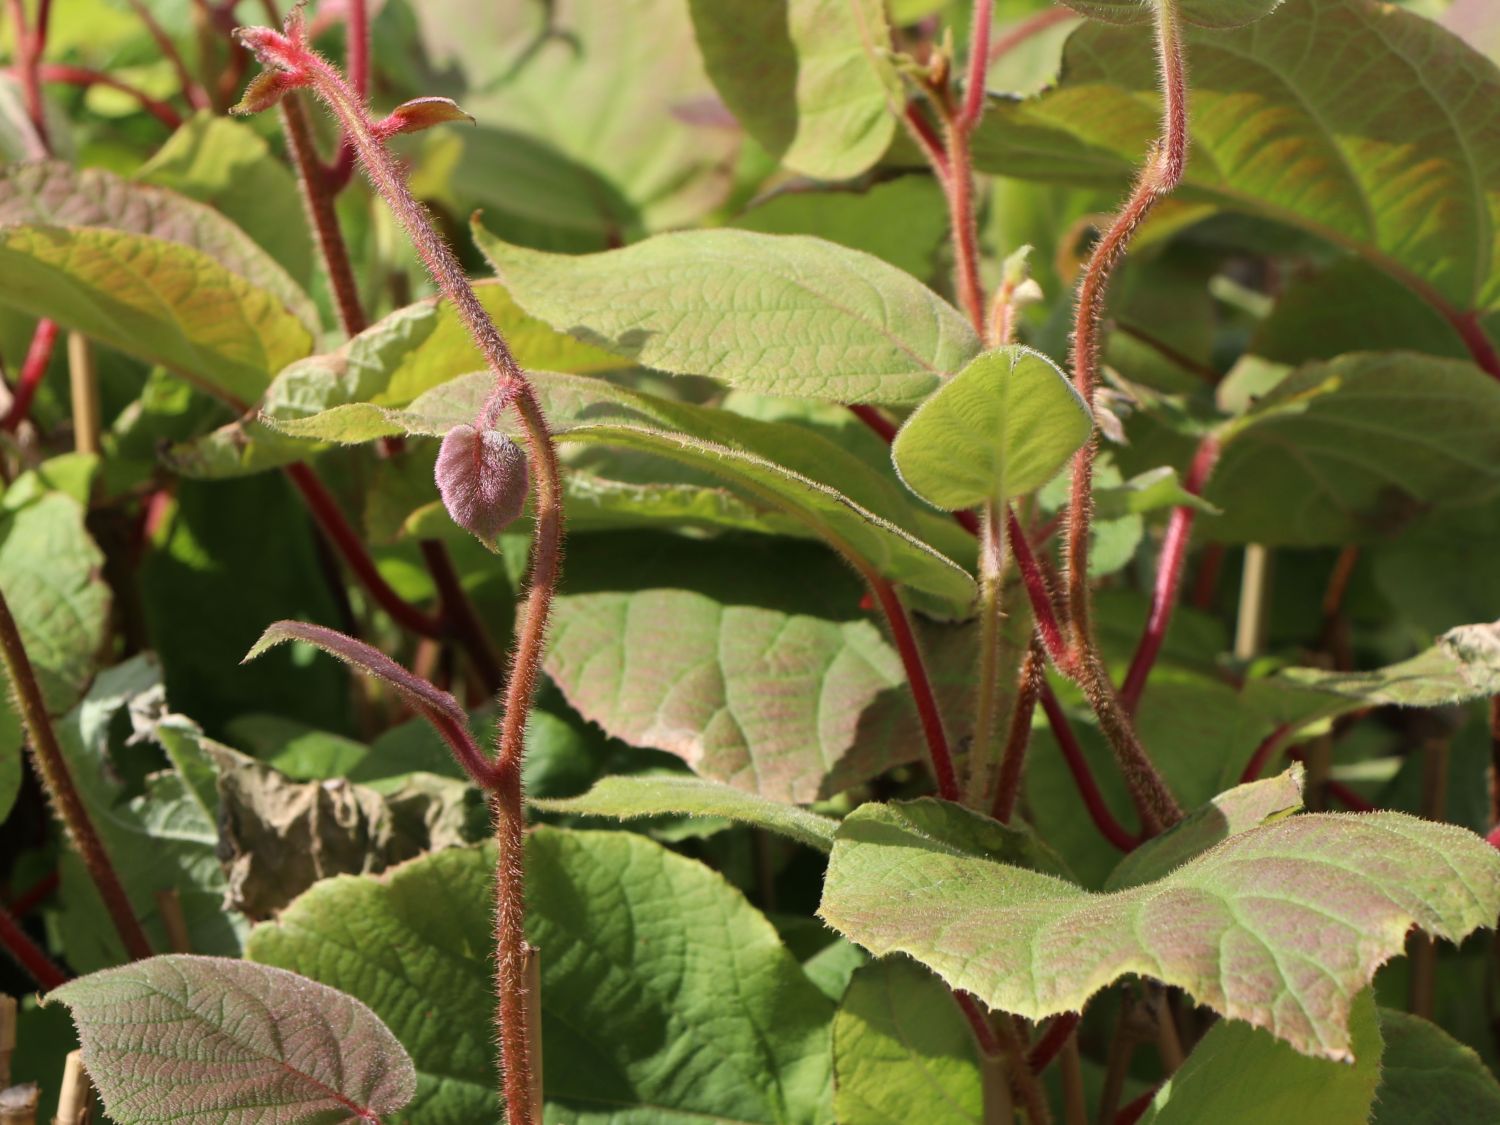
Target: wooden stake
{"points": [[534, 1027], [75, 1098], [169, 905], [8, 1020], [83, 379], [1255, 582]]}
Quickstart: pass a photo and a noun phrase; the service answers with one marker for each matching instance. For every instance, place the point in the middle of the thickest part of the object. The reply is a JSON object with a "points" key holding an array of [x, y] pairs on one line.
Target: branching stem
{"points": [[30, 956]]}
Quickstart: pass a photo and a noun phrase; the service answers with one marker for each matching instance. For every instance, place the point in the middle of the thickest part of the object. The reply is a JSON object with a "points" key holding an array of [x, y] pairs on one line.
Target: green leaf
{"points": [[50, 571], [825, 490], [151, 273], [165, 839], [1240, 1075], [785, 315], [229, 166], [1230, 813], [665, 996], [1000, 428], [1147, 492], [1280, 926], [814, 83], [1429, 1078], [203, 1040], [764, 701], [627, 798], [1351, 450], [1205, 13], [902, 1051], [1411, 184]]}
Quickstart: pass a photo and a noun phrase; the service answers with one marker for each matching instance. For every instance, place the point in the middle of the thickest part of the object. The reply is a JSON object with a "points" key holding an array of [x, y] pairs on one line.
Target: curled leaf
{"points": [[482, 479], [420, 113]]}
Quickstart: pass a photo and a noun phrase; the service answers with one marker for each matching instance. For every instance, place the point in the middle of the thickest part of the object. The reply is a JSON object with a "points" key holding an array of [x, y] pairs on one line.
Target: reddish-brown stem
{"points": [[979, 1022], [875, 420], [34, 895], [1045, 1049], [972, 108], [1133, 1111], [458, 613], [28, 954], [1033, 25], [1008, 789], [1495, 760], [1174, 548], [959, 186], [346, 541], [357, 35], [33, 371], [85, 76], [29, 45], [1039, 593], [1270, 746], [1104, 820], [191, 90], [921, 686], [1477, 340], [928, 141], [52, 767], [1206, 583], [300, 66], [317, 196]]}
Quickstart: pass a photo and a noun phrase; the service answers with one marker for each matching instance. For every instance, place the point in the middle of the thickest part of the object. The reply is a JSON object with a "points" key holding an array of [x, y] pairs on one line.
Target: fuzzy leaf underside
{"points": [[1280, 926], [216, 1041]]}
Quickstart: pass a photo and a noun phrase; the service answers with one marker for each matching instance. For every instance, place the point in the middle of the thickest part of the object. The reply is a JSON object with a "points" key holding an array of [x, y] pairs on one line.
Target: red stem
{"points": [[458, 612], [921, 686], [1049, 628], [1007, 791], [34, 895], [1045, 1049], [86, 76], [1104, 820], [331, 519], [1207, 580], [1265, 752], [29, 47], [33, 371], [979, 63], [928, 141], [57, 779], [1134, 1111], [1027, 28], [979, 1021], [1169, 567], [357, 34], [1480, 346], [1348, 797], [196, 96], [874, 419], [28, 954]]}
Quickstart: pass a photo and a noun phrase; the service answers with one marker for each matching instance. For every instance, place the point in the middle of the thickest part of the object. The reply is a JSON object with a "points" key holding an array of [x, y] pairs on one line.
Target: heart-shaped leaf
{"points": [[152, 273], [785, 315], [1428, 1077], [1001, 427], [627, 798], [812, 82], [214, 1041], [1280, 926]]}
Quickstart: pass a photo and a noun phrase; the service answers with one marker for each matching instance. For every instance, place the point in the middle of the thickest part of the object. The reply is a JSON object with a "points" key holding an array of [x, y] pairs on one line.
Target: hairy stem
{"points": [[1012, 761], [357, 36], [1039, 593], [29, 45], [992, 551], [28, 954], [1169, 566], [1093, 800], [52, 767], [297, 65]]}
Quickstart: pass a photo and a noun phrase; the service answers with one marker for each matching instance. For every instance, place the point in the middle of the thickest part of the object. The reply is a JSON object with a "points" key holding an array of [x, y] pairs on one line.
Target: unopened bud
{"points": [[482, 478], [419, 114]]}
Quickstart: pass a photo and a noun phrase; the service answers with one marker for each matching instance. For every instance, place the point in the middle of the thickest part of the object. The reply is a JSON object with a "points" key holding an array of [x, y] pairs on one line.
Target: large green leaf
{"points": [[1429, 1078], [1280, 926], [214, 1041], [50, 574], [152, 273], [628, 798], [1352, 450], [1206, 13], [589, 136], [761, 700], [1348, 118], [902, 1051], [1001, 427], [785, 315], [1240, 1075], [665, 996], [165, 839], [812, 80], [810, 481], [228, 165]]}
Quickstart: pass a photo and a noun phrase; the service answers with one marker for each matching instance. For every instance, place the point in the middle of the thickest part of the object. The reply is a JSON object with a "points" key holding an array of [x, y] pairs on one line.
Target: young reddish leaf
{"points": [[200, 1040], [482, 478], [418, 114], [437, 707]]}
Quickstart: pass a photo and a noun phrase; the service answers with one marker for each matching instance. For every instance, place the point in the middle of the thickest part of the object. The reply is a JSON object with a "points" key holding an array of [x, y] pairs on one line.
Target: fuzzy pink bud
{"points": [[482, 478], [419, 114]]}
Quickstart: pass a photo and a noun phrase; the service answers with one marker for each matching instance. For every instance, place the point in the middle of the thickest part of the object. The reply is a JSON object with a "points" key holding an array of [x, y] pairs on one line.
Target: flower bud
{"points": [[482, 478]]}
